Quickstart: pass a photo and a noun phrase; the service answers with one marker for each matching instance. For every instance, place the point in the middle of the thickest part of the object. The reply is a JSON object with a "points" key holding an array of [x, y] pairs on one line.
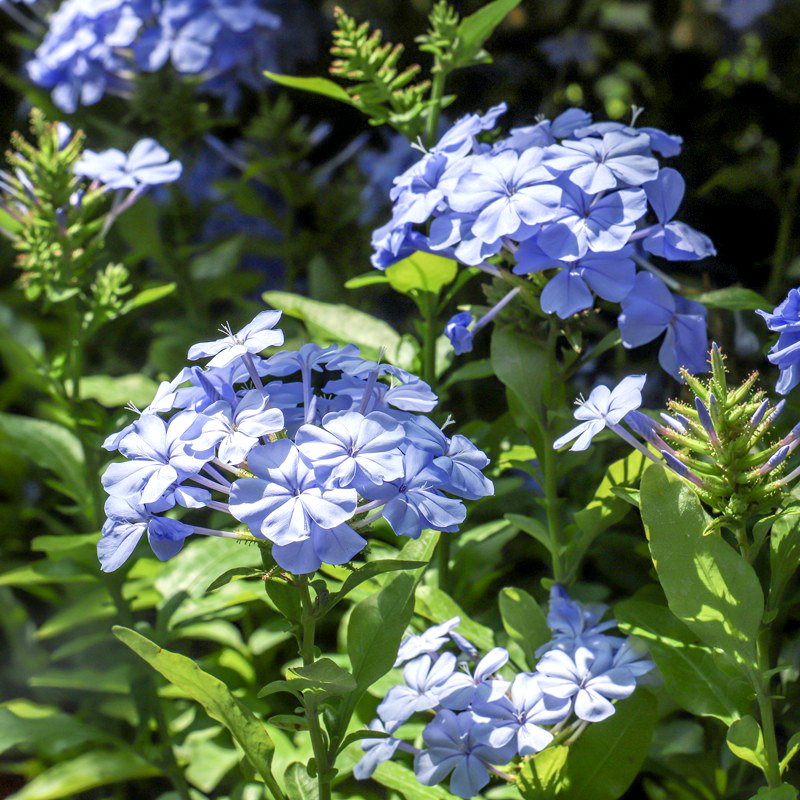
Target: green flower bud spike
{"points": [[723, 444]]}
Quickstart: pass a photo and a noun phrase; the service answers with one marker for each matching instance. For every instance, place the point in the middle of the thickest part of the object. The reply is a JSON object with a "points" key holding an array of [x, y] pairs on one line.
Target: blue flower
{"points": [[463, 462], [598, 165], [253, 338], [605, 407], [159, 458], [147, 164], [457, 330], [413, 503], [651, 309], [334, 545], [589, 677], [376, 751], [518, 718], [609, 275], [574, 623], [428, 642], [483, 685], [785, 353], [506, 191], [125, 526], [453, 750], [585, 224], [285, 497], [351, 450], [236, 430], [675, 241], [665, 144], [425, 680]]}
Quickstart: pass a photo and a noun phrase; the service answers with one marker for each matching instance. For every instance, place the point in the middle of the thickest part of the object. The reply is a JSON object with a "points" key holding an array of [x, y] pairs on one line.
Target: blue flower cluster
{"points": [[94, 47], [320, 443], [568, 197], [484, 714]]}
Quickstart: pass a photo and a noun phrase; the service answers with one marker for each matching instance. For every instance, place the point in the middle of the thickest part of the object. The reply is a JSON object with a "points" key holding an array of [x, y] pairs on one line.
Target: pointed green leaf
{"points": [[299, 785], [746, 741], [475, 29], [214, 696], [422, 272], [321, 86], [324, 675], [524, 621], [369, 571]]}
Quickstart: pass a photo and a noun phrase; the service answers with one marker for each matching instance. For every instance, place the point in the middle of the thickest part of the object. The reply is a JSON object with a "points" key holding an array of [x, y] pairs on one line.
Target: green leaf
{"points": [[438, 606], [336, 323], [694, 675], [708, 585], [113, 392], [324, 675], [541, 777], [376, 628], [49, 446], [148, 296], [367, 279], [422, 272], [522, 365], [369, 571], [299, 785], [784, 554], [524, 621], [214, 696], [235, 574], [402, 779], [475, 29], [746, 741], [357, 736], [321, 86], [533, 527], [792, 748], [782, 792], [52, 734], [733, 298], [85, 772], [603, 762]]}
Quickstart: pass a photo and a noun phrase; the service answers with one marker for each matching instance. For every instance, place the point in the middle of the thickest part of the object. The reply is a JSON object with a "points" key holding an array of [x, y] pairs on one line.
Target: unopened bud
{"points": [[675, 423], [705, 421], [777, 458], [681, 469], [755, 420]]}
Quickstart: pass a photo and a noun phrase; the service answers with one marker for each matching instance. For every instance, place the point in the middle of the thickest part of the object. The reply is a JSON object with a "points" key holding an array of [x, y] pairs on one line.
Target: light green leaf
{"points": [[148, 296], [367, 279], [51, 735], [437, 606], [708, 585], [422, 272], [299, 785], [234, 574], [113, 392], [85, 772], [40, 573], [746, 741], [321, 86], [694, 675], [542, 776], [604, 761], [475, 29], [782, 792], [323, 675], [524, 621], [336, 323], [402, 779], [792, 748], [733, 298], [214, 696]]}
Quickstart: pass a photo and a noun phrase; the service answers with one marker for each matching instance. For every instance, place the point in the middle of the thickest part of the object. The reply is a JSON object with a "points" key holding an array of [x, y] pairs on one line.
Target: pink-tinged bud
{"points": [[681, 469], [777, 458]]}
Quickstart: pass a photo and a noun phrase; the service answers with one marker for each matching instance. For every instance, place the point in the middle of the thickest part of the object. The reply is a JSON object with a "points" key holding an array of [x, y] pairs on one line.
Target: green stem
{"points": [[429, 341], [787, 219], [773, 771], [312, 715], [547, 464], [437, 92], [443, 562]]}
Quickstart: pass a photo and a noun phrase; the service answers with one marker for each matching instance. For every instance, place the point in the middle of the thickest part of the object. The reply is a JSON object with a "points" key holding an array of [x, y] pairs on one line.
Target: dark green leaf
{"points": [[784, 554], [475, 29], [368, 571], [694, 675], [438, 606], [782, 792], [324, 675], [237, 573]]}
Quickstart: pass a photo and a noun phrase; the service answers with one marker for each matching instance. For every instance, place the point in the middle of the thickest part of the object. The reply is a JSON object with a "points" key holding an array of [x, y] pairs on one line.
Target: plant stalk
{"points": [[773, 771], [312, 716]]}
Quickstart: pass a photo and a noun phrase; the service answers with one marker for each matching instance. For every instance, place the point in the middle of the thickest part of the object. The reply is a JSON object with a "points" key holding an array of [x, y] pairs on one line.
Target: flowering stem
{"points": [[645, 263], [209, 484], [312, 715]]}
